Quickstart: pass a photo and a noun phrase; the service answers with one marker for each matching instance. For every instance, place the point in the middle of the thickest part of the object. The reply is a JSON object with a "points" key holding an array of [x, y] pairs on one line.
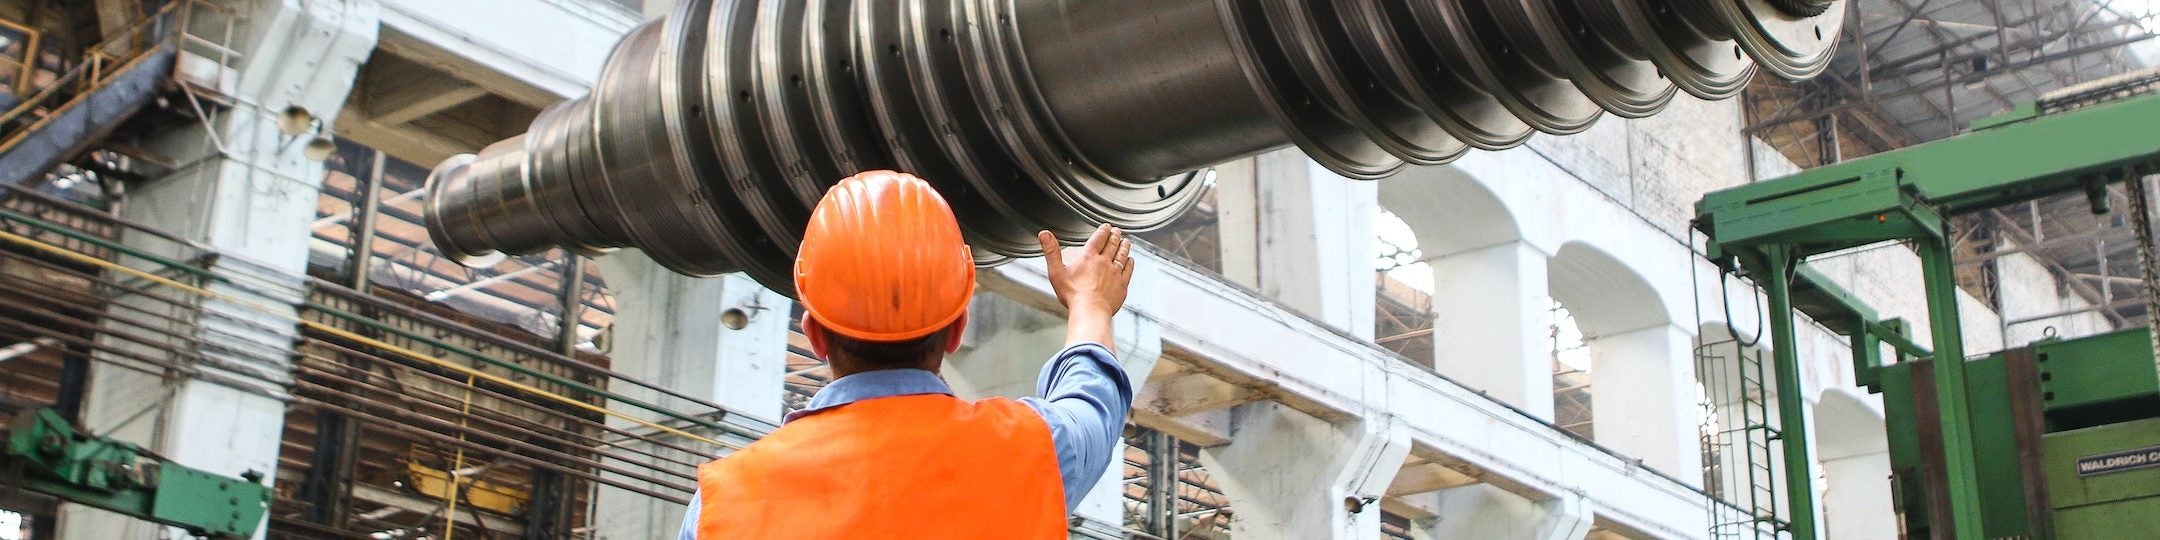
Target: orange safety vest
{"points": [[916, 466]]}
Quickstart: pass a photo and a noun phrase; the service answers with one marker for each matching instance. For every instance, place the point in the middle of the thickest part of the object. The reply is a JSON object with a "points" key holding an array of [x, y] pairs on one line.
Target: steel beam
{"points": [[1792, 431]]}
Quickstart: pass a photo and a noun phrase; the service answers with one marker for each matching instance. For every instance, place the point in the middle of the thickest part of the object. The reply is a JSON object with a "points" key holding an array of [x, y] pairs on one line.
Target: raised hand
{"points": [[1090, 281]]}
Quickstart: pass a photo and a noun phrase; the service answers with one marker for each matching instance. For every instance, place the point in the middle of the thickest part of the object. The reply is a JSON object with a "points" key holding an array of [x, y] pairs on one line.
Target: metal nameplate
{"points": [[2119, 461]]}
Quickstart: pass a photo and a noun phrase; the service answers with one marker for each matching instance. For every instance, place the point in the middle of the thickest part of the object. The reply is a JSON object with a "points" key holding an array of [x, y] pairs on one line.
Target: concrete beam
{"points": [[1234, 335], [409, 99], [1488, 512], [1191, 393], [1290, 475], [1428, 478], [549, 52], [403, 142]]}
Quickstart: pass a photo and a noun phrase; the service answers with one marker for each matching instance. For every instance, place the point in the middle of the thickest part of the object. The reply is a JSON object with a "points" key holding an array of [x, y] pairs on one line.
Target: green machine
{"points": [[41, 452], [2066, 436], [2058, 439]]}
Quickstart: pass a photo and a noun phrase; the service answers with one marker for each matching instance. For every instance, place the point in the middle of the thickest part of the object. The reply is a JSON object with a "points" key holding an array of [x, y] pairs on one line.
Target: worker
{"points": [[885, 450]]}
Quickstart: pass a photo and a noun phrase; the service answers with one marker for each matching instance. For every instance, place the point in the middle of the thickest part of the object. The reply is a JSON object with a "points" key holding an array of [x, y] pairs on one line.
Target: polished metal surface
{"points": [[712, 132]]}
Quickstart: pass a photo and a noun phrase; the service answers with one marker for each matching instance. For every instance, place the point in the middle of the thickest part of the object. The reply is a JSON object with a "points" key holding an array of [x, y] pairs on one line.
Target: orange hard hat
{"points": [[883, 259]]}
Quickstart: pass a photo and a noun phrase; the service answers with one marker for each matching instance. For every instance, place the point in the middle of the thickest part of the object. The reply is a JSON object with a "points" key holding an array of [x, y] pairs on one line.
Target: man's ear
{"points": [[954, 333], [815, 332]]}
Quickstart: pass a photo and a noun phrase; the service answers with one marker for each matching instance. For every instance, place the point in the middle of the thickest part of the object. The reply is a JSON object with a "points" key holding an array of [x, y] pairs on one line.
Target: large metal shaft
{"points": [[712, 132]]}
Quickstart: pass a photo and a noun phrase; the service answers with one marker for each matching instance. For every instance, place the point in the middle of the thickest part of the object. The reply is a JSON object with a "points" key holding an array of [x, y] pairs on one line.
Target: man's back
{"points": [[885, 278], [917, 466]]}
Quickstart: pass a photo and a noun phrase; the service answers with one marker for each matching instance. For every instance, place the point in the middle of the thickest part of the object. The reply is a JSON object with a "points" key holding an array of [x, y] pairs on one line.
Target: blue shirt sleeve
{"points": [[1084, 395], [689, 518]]}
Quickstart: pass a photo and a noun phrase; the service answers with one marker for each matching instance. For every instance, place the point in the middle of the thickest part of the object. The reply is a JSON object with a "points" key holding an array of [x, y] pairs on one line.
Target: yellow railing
{"points": [[130, 46]]}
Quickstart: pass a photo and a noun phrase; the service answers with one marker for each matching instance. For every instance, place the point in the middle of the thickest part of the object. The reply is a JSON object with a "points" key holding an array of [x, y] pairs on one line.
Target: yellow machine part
{"points": [[480, 493]]}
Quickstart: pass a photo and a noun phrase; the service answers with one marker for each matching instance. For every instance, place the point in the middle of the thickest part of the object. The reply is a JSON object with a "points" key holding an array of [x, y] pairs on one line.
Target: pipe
{"points": [[711, 133], [12, 352]]}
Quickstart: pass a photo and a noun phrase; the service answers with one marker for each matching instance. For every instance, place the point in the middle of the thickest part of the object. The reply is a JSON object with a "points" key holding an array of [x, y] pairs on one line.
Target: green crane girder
{"points": [[1768, 229], [42, 453]]}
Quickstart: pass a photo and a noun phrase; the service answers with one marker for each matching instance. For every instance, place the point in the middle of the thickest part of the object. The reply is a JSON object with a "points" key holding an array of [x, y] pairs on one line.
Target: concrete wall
{"points": [[2030, 294]]}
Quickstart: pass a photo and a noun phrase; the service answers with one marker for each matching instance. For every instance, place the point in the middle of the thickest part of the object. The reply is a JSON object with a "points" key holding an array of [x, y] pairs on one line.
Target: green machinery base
{"points": [[41, 452], [2066, 436]]}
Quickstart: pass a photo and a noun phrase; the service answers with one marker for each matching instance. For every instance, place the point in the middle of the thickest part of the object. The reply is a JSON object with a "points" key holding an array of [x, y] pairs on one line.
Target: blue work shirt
{"points": [[1083, 394]]}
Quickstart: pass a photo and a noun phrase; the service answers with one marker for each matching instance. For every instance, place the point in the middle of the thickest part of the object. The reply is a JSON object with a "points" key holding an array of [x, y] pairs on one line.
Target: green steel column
{"points": [[1950, 401], [1792, 405]]}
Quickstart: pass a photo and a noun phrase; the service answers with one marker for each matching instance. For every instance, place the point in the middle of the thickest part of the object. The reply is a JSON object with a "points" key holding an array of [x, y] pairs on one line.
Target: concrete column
{"points": [[1491, 326], [1003, 352], [1311, 245], [1237, 220], [1484, 511], [1644, 396], [1291, 475], [1855, 461], [1857, 505], [675, 330], [250, 199], [655, 9]]}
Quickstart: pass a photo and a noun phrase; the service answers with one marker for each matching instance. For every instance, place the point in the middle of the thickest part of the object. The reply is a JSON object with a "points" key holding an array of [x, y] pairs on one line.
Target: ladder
{"points": [[1740, 462]]}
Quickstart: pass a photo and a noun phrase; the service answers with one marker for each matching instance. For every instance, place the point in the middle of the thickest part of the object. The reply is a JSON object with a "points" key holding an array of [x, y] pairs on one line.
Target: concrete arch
{"points": [[1449, 211], [1606, 296], [1643, 376], [1488, 286]]}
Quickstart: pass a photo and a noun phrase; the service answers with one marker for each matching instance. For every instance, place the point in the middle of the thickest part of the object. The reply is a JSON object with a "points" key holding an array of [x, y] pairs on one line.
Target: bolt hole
{"points": [[1736, 53], [1818, 33], [893, 49], [2050, 396], [743, 96], [2043, 358], [2047, 377], [846, 67], [945, 34], [796, 80], [735, 318]]}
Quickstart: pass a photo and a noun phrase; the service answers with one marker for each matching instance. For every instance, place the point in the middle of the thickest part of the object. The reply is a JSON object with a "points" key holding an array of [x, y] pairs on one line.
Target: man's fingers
{"points": [[1100, 241], [1053, 254], [1124, 257]]}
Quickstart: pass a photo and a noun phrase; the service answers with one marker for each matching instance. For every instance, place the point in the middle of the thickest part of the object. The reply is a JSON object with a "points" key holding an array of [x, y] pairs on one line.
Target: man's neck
{"points": [[843, 368]]}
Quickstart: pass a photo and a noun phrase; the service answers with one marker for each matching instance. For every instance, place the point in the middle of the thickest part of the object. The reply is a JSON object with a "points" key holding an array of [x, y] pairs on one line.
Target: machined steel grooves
{"points": [[712, 132]]}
